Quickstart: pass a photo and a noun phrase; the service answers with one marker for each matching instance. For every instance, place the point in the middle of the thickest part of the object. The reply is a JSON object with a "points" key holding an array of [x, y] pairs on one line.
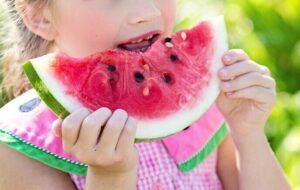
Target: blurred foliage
{"points": [[269, 31], [3, 97]]}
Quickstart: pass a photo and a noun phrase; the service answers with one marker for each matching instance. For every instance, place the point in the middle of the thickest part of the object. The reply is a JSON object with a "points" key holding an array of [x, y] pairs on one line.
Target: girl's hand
{"points": [[247, 93], [110, 150]]}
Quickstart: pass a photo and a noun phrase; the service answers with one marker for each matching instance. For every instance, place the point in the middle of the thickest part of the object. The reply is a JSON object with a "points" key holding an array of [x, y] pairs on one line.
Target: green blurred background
{"points": [[269, 31]]}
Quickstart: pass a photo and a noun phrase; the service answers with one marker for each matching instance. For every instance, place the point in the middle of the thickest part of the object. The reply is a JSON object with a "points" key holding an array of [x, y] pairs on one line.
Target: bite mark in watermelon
{"points": [[166, 88]]}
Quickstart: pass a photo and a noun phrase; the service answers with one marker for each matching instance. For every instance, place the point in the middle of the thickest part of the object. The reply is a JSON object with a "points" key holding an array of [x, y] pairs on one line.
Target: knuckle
{"points": [[272, 96], [238, 52], [265, 70], [273, 82], [251, 63], [241, 52]]}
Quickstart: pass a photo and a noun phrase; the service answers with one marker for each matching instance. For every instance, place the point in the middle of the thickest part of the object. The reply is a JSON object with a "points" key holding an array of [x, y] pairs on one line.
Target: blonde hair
{"points": [[20, 44]]}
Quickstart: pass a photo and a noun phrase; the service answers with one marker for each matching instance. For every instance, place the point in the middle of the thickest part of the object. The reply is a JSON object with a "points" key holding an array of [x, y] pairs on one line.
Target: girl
{"points": [[79, 28]]}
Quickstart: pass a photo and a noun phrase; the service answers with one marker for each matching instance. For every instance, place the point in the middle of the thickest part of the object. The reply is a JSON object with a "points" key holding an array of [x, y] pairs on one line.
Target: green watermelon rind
{"points": [[42, 155], [43, 91]]}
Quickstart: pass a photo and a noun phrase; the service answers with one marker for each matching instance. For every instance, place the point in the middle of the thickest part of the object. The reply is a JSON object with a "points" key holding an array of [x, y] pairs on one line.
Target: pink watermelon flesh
{"points": [[150, 86]]}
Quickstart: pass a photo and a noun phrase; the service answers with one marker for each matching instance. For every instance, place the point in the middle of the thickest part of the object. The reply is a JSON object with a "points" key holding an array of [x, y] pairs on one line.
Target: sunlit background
{"points": [[269, 31]]}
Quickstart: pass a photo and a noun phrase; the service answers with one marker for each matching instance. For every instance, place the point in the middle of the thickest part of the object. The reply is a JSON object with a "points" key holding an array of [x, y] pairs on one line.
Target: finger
{"points": [[248, 80], [234, 55], [126, 140], [71, 127], [112, 130], [256, 93], [265, 70], [56, 128], [91, 127], [232, 71]]}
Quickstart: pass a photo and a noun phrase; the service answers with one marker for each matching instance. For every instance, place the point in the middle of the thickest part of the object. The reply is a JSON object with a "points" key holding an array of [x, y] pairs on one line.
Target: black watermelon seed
{"points": [[139, 77], [167, 78], [173, 57], [186, 128], [111, 68], [168, 39]]}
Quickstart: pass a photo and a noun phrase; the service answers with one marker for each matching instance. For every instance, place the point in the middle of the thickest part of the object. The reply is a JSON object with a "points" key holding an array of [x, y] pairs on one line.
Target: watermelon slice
{"points": [[166, 88]]}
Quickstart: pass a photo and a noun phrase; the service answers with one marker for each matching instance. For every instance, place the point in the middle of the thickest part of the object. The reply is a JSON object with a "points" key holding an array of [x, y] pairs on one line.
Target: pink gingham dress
{"points": [[158, 171], [172, 163]]}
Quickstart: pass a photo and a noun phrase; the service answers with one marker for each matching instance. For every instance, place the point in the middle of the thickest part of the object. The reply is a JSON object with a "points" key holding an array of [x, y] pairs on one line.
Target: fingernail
{"points": [[227, 58]]}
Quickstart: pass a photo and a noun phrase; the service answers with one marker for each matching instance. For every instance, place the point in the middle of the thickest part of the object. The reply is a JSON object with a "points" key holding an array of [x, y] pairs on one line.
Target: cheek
{"points": [[82, 32]]}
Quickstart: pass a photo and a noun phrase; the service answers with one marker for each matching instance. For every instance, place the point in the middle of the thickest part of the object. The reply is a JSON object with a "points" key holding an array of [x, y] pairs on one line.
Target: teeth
{"points": [[140, 40], [133, 42], [150, 37]]}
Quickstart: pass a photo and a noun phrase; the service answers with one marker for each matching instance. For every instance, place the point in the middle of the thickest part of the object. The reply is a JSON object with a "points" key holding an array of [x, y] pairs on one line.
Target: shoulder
{"points": [[25, 173]]}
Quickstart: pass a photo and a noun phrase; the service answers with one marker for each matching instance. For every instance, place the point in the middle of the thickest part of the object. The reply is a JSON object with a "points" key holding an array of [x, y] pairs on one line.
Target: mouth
{"points": [[141, 43]]}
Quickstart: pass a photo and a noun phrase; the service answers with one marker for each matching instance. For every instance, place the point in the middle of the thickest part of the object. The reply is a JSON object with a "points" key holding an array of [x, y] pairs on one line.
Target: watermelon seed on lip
{"points": [[168, 39], [139, 77]]}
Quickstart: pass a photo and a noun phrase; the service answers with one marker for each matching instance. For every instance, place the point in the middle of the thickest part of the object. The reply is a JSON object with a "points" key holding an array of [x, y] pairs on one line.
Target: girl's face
{"points": [[84, 27]]}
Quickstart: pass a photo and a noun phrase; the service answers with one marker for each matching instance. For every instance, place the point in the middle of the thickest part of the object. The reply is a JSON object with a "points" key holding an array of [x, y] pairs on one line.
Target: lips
{"points": [[140, 43]]}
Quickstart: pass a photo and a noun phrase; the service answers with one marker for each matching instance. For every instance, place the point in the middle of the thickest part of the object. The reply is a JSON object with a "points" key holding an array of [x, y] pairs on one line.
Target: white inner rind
{"points": [[41, 66], [160, 127]]}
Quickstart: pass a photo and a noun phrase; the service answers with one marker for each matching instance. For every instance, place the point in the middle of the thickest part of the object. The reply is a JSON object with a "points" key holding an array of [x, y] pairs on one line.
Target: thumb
{"points": [[56, 128]]}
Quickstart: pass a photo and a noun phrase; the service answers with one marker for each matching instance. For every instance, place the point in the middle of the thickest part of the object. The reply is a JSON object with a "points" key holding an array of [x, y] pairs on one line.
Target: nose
{"points": [[143, 11]]}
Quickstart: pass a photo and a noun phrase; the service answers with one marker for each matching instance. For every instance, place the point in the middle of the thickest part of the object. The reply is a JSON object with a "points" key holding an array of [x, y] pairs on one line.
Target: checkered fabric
{"points": [[158, 171]]}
